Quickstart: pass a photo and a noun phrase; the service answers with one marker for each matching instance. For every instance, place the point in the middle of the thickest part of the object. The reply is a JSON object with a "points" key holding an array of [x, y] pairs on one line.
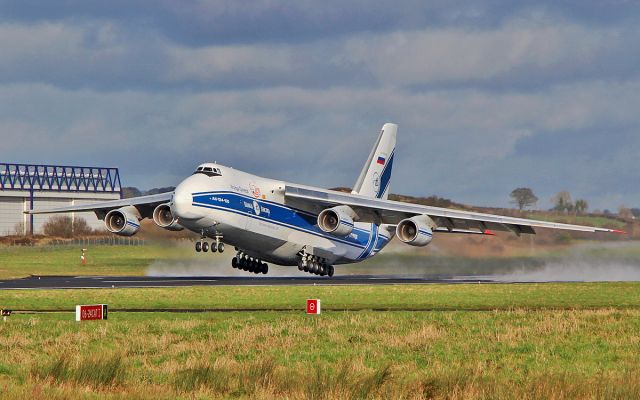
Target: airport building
{"points": [[24, 187]]}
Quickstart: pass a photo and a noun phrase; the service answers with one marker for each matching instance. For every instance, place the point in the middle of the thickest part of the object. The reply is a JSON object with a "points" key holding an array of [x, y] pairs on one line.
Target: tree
{"points": [[562, 202], [581, 206], [64, 226], [624, 212], [523, 197]]}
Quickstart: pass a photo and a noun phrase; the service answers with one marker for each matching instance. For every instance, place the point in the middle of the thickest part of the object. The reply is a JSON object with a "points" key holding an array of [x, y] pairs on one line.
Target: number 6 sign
{"points": [[313, 306]]}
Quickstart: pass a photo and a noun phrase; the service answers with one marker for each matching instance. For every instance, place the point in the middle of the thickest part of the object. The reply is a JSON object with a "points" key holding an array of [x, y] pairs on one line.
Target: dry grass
{"points": [[582, 354]]}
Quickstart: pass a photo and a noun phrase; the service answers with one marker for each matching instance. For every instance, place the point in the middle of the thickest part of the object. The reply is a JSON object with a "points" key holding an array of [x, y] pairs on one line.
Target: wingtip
{"points": [[619, 232], [489, 233]]}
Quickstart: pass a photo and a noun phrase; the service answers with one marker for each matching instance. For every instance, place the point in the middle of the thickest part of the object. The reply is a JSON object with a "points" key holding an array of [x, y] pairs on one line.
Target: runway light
{"points": [[313, 306]]}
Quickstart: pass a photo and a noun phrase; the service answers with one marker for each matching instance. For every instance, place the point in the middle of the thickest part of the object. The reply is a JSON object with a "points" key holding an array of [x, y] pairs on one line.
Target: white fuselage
{"points": [[250, 213]]}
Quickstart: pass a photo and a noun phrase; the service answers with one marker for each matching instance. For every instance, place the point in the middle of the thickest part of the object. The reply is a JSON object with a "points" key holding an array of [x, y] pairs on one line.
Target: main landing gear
{"points": [[315, 265], [216, 246], [250, 264]]}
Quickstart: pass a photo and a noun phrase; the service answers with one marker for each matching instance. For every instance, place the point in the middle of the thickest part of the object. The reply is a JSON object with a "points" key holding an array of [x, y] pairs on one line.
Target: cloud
{"points": [[524, 54], [465, 145], [488, 96]]}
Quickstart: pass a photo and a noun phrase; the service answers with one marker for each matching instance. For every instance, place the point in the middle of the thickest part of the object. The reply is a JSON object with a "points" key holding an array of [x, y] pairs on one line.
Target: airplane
{"points": [[272, 221]]}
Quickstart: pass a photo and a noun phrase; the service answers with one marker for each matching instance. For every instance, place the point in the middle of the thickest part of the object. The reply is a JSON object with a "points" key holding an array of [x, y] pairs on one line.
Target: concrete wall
{"points": [[13, 203], [11, 215]]}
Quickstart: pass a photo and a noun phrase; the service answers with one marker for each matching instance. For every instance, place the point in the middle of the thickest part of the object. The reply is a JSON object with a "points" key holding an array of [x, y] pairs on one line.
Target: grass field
{"points": [[16, 262], [470, 341]]}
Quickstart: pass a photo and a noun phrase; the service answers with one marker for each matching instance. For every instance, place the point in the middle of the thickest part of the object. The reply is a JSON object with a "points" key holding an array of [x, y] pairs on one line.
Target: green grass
{"points": [[16, 262], [415, 297]]}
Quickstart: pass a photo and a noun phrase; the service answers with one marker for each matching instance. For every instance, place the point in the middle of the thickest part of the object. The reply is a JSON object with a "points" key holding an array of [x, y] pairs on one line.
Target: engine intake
{"points": [[163, 217], [337, 220], [124, 221], [416, 231]]}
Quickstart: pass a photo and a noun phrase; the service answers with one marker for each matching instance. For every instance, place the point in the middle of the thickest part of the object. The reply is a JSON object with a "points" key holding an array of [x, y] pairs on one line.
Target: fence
{"points": [[84, 242]]}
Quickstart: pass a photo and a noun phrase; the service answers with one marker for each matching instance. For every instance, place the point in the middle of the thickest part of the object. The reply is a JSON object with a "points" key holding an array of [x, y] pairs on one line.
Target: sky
{"points": [[488, 95]]}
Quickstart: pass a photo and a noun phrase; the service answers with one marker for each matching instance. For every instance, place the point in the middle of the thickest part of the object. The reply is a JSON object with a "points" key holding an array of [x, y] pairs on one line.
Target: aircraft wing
{"points": [[145, 204], [380, 211]]}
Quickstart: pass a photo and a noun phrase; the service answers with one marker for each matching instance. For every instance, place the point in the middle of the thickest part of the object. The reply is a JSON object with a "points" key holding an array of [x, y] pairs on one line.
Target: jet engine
{"points": [[163, 217], [416, 231], [337, 220], [124, 221]]}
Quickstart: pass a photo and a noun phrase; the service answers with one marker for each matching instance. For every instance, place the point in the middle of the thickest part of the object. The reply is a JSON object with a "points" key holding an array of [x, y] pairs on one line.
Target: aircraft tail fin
{"points": [[376, 174]]}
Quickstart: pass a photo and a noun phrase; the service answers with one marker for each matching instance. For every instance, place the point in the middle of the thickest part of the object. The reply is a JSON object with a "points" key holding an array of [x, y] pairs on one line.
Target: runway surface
{"points": [[100, 282]]}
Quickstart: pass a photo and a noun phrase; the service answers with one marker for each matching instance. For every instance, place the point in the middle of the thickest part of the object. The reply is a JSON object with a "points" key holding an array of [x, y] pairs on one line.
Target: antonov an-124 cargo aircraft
{"points": [[271, 221]]}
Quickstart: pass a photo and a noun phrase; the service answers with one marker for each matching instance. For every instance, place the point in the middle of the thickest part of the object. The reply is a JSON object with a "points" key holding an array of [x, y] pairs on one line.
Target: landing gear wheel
{"points": [[305, 268], [323, 270], [221, 247], [265, 269], [300, 267], [234, 262], [330, 271], [214, 247], [205, 247], [198, 247], [314, 267], [243, 264]]}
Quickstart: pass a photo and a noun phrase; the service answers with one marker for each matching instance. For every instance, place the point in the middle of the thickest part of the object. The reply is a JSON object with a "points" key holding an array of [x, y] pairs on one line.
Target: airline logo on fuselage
{"points": [[255, 191], [257, 208]]}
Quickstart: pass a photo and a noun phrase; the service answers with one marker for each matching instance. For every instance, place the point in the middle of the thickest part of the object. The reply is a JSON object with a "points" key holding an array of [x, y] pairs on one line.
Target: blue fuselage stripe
{"points": [[281, 215]]}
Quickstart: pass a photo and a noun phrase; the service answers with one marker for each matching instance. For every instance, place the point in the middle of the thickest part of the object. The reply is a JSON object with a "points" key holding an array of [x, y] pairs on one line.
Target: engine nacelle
{"points": [[416, 231], [163, 217], [337, 220], [124, 221]]}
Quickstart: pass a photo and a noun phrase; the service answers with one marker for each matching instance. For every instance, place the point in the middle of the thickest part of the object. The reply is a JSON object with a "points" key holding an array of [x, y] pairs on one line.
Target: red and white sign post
{"points": [[91, 312], [313, 306]]}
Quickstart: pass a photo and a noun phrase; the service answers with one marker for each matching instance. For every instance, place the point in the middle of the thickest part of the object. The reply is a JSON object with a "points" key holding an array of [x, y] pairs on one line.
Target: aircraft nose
{"points": [[181, 206]]}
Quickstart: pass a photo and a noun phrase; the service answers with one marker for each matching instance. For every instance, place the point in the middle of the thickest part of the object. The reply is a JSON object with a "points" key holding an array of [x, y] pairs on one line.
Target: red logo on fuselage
{"points": [[255, 191]]}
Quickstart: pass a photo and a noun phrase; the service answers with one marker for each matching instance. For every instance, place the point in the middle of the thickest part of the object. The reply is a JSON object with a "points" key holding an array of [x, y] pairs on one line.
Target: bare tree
{"points": [[562, 202], [64, 226], [523, 197], [18, 229], [581, 206], [624, 212]]}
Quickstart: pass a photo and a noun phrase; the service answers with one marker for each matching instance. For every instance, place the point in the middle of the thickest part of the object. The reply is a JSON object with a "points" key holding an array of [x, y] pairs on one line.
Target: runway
{"points": [[107, 282]]}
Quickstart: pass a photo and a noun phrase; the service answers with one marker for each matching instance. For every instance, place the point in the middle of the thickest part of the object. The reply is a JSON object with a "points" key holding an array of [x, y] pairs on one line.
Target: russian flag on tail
{"points": [[381, 160]]}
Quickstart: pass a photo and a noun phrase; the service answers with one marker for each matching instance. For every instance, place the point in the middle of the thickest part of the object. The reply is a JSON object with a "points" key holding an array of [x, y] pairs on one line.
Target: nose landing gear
{"points": [[203, 246]]}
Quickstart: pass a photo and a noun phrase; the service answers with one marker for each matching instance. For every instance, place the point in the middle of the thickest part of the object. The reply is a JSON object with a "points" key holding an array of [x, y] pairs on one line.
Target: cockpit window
{"points": [[209, 171]]}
